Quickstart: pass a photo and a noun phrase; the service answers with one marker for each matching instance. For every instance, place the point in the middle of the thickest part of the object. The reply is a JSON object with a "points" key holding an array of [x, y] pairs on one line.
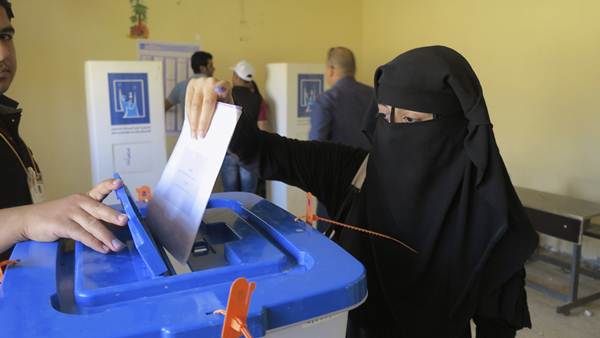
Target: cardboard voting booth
{"points": [[291, 89], [126, 121]]}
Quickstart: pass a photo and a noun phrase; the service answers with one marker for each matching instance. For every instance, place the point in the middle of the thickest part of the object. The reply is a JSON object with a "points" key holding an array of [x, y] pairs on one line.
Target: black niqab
{"points": [[440, 186]]}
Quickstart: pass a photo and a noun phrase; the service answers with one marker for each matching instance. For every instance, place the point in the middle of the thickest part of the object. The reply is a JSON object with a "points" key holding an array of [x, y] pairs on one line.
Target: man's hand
{"points": [[78, 216], [201, 98]]}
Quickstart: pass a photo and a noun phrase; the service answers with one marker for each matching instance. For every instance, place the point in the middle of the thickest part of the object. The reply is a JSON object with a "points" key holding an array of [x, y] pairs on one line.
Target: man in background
{"points": [[337, 115], [245, 94], [202, 66]]}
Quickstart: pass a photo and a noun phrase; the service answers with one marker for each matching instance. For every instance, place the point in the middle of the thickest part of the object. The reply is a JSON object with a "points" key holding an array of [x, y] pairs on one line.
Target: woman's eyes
{"points": [[399, 119], [6, 37]]}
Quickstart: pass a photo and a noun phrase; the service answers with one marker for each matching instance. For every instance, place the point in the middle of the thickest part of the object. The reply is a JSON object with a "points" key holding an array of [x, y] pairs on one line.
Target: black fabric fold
{"points": [[443, 188]]}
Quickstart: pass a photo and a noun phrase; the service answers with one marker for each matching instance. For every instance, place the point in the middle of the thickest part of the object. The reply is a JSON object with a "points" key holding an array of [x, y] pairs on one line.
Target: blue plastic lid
{"points": [[301, 276], [142, 238]]}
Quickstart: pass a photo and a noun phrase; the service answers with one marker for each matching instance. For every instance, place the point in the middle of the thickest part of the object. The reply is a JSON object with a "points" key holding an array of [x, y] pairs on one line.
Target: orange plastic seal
{"points": [[311, 217], [2, 265], [144, 193], [236, 314]]}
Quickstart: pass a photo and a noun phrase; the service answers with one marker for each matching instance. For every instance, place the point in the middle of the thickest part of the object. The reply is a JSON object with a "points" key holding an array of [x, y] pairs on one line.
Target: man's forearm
{"points": [[320, 122], [11, 227]]}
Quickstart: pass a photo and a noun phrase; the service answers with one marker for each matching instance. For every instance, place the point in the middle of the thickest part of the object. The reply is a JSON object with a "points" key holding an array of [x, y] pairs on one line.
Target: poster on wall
{"points": [[175, 58], [310, 86]]}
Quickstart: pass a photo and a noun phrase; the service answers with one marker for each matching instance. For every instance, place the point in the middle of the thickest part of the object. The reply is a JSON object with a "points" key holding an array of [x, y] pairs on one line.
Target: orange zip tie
{"points": [[312, 217], [3, 264], [236, 313], [144, 193]]}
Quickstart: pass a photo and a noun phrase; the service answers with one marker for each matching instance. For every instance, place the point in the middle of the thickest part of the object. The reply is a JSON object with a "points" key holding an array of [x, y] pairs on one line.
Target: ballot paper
{"points": [[180, 198]]}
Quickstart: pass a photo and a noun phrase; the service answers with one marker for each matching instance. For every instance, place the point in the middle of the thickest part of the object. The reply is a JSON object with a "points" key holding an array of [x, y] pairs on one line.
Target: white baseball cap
{"points": [[244, 70]]}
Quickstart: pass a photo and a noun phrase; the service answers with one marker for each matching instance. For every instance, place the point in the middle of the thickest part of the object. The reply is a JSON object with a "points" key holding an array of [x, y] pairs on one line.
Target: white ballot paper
{"points": [[181, 196]]}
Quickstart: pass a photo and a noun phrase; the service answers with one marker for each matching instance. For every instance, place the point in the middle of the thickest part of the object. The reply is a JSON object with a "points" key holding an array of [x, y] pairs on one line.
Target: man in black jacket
{"points": [[78, 216]]}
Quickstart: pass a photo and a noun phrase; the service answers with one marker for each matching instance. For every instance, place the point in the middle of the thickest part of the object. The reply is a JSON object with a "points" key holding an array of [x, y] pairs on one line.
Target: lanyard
{"points": [[311, 217], [18, 156]]}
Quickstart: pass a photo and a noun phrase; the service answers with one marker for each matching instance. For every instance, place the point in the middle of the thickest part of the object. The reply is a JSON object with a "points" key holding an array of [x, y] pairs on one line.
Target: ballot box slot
{"points": [[214, 232], [296, 258]]}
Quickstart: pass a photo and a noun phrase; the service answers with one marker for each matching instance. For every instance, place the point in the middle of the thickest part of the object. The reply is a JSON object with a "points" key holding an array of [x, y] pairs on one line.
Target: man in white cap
{"points": [[243, 70], [245, 93]]}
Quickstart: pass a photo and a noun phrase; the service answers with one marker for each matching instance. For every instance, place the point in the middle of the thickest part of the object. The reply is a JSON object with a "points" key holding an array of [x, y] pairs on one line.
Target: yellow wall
{"points": [[538, 62], [539, 65], [54, 38]]}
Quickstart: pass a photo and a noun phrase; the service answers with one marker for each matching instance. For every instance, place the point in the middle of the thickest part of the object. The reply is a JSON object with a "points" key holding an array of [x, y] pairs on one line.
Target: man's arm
{"points": [[321, 118], [11, 228], [78, 216], [174, 95], [168, 104], [263, 122]]}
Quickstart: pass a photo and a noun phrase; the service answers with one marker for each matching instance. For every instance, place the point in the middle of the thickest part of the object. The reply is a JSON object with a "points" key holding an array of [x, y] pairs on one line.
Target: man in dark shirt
{"points": [[78, 216], [337, 115], [245, 94]]}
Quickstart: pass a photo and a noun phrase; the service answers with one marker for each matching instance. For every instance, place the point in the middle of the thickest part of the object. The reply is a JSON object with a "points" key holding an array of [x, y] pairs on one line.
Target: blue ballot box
{"points": [[305, 284]]}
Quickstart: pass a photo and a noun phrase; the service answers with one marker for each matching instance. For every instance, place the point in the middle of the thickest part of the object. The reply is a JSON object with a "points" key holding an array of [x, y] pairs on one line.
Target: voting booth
{"points": [[305, 284], [126, 121], [291, 88]]}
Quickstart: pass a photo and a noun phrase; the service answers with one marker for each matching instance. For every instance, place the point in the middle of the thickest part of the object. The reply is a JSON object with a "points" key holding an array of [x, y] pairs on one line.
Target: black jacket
{"points": [[13, 178], [327, 170]]}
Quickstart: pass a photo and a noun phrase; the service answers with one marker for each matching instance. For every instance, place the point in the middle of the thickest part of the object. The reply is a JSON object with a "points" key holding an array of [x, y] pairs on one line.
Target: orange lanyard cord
{"points": [[359, 229], [311, 217], [3, 264]]}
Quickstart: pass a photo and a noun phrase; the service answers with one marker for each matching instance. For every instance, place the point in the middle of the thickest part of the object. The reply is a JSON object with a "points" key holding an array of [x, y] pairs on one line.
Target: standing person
{"points": [[202, 66], [245, 94], [434, 179], [338, 113], [78, 216]]}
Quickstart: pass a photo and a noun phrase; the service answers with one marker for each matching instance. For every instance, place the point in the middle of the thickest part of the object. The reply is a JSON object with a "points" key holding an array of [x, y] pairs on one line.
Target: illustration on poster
{"points": [[129, 105], [310, 86], [128, 94]]}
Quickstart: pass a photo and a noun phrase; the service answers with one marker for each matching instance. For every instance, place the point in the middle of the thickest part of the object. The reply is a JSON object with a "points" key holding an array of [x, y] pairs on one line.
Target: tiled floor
{"points": [[546, 322]]}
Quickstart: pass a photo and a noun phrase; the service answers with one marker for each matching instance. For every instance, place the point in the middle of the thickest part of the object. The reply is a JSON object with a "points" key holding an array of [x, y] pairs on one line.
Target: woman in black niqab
{"points": [[438, 185], [442, 188]]}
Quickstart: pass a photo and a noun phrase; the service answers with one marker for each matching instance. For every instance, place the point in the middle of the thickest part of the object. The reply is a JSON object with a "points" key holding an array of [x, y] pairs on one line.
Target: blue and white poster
{"points": [[310, 86], [128, 94]]}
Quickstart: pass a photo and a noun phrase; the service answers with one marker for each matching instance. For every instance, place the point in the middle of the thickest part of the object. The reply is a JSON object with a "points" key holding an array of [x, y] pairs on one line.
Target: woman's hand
{"points": [[201, 98]]}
